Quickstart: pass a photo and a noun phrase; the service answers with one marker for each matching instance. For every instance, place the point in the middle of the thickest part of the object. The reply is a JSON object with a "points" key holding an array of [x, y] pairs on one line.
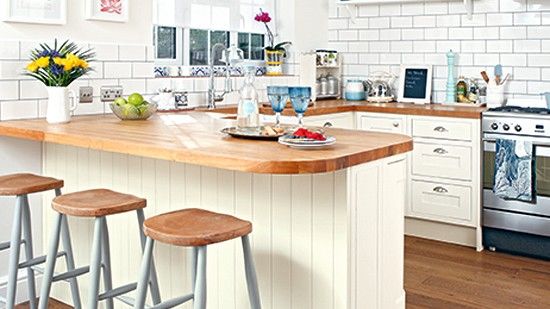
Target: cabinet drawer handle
{"points": [[440, 190], [440, 151], [396, 124], [440, 129]]}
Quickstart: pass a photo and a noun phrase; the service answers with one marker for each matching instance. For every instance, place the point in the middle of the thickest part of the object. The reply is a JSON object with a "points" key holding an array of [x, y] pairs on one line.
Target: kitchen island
{"points": [[328, 224]]}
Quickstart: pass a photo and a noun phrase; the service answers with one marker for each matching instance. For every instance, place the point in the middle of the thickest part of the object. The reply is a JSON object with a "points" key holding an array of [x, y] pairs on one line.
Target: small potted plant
{"points": [[57, 67], [274, 53]]}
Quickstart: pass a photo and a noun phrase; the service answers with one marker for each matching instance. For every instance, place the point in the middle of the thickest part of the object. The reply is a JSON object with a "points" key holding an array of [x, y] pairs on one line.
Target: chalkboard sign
{"points": [[415, 84]]}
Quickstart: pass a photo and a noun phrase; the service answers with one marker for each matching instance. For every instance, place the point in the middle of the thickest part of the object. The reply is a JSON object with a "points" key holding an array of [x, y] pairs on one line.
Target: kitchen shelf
{"points": [[348, 3]]}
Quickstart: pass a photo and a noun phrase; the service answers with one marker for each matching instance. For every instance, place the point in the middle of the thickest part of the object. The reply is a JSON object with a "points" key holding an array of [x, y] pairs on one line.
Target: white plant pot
{"points": [[60, 106]]}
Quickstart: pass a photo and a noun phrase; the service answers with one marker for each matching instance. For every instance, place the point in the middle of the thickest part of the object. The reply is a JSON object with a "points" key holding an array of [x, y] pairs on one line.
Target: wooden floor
{"points": [[444, 276]]}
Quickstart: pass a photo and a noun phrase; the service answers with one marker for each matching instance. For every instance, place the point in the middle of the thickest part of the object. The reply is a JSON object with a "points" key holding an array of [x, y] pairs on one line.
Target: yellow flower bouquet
{"points": [[59, 66]]}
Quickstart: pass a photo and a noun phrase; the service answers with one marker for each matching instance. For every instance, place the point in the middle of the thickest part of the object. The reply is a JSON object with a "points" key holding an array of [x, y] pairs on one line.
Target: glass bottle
{"points": [[248, 115]]}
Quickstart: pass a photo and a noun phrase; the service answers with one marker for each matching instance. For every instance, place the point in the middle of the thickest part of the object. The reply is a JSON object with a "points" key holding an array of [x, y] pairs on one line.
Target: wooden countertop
{"points": [[195, 138], [323, 107]]}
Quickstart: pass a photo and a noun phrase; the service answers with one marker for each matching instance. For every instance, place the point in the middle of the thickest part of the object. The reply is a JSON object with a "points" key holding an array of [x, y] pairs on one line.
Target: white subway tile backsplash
{"points": [[369, 10], [336, 24], [545, 74], [10, 110], [525, 73], [391, 34], [358, 47], [9, 50], [445, 46], [513, 5], [473, 46], [530, 18], [132, 53], [9, 90], [545, 46], [500, 46], [12, 69], [105, 52], [461, 33], [518, 33], [538, 60], [379, 22], [390, 9], [527, 46], [133, 85], [486, 59], [538, 32], [436, 33], [500, 19], [513, 60], [348, 35], [432, 8], [369, 58], [401, 47], [424, 21], [369, 35], [412, 34], [424, 46], [413, 9], [117, 70], [401, 22], [32, 89], [486, 33], [476, 20], [448, 21], [379, 47]]}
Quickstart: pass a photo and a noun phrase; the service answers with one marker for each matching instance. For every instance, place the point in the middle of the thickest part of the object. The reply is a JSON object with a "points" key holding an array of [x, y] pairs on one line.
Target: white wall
{"points": [[137, 30], [511, 32], [304, 22]]}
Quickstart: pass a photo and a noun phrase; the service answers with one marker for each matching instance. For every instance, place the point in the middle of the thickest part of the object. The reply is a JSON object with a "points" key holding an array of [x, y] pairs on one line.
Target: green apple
{"points": [[130, 111], [120, 101], [135, 99]]}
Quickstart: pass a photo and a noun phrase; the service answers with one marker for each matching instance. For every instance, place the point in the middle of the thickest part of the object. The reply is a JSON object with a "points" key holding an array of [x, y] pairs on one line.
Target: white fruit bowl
{"points": [[130, 112]]}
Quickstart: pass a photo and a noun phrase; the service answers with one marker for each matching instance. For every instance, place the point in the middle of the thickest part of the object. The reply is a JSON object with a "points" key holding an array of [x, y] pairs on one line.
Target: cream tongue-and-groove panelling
{"points": [[131, 66], [515, 33]]}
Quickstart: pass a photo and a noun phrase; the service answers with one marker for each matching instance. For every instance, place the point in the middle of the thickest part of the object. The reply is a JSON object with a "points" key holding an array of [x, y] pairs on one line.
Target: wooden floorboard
{"points": [[53, 304], [445, 276]]}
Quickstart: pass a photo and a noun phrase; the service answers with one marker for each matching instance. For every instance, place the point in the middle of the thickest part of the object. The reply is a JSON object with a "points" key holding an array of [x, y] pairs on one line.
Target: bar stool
{"points": [[20, 186], [196, 228], [97, 204]]}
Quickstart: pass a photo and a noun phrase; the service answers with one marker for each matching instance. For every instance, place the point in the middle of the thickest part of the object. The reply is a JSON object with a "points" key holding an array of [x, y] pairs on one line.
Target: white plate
{"points": [[308, 145]]}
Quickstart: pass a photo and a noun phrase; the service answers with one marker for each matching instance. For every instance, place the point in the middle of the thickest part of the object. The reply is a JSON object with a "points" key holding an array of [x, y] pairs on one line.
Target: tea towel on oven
{"points": [[514, 170]]}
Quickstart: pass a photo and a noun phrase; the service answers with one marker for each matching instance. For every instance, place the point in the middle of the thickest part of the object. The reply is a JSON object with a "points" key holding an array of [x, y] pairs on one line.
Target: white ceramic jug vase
{"points": [[59, 105]]}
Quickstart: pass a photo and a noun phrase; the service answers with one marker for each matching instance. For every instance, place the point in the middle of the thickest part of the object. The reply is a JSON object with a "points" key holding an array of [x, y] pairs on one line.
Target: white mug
{"points": [[60, 106], [495, 95]]}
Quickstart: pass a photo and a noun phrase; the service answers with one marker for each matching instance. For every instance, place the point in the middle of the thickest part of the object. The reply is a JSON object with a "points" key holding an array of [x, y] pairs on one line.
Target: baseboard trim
{"points": [[22, 294], [460, 235]]}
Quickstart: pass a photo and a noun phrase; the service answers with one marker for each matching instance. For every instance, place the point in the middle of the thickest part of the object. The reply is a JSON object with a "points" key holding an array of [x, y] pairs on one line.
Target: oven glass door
{"points": [[542, 188]]}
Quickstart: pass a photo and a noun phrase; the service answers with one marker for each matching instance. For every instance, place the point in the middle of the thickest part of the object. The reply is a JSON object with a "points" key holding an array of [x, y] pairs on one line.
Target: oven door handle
{"points": [[537, 141]]}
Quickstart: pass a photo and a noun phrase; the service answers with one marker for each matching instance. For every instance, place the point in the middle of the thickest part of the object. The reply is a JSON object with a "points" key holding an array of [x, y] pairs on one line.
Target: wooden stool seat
{"points": [[195, 227], [20, 184], [96, 203]]}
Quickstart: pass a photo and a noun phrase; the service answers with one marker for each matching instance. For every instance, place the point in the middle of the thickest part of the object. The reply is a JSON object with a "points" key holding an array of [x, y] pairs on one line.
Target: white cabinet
{"points": [[441, 200], [442, 161], [338, 120], [378, 122], [439, 128]]}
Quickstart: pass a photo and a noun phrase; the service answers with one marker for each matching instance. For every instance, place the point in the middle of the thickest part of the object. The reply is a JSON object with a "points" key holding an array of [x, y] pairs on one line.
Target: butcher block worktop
{"points": [[323, 107], [195, 138]]}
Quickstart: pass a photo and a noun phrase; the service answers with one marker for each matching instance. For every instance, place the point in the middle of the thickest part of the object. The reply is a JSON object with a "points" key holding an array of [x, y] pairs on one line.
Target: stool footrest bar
{"points": [[71, 274], [174, 302], [38, 260], [118, 291], [6, 245]]}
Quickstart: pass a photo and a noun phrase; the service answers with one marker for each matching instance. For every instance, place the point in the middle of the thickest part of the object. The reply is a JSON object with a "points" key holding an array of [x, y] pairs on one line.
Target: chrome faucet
{"points": [[213, 96]]}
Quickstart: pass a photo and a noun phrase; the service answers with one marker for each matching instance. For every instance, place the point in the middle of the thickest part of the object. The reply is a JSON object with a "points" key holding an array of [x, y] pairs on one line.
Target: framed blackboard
{"points": [[415, 85]]}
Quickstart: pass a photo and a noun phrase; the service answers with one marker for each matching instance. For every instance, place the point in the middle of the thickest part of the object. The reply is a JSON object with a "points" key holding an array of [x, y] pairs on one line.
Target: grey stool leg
{"points": [[144, 275], [95, 266], [106, 255], [153, 281], [251, 279], [199, 300], [14, 252], [27, 235], [194, 254], [69, 261], [50, 262]]}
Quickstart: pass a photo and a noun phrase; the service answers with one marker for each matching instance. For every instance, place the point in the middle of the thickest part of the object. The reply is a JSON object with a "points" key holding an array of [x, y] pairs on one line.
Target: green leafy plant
{"points": [[59, 66]]}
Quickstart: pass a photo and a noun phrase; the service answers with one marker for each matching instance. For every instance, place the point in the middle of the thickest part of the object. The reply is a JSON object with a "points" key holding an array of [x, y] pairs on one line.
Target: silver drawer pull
{"points": [[396, 124], [440, 190], [440, 129], [440, 151]]}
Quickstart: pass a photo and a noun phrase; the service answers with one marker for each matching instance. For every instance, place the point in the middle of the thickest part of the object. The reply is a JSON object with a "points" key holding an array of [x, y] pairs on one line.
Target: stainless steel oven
{"points": [[514, 226]]}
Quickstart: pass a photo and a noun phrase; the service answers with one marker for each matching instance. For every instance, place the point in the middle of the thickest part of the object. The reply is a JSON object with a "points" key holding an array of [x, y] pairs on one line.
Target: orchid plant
{"points": [[264, 18], [59, 66]]}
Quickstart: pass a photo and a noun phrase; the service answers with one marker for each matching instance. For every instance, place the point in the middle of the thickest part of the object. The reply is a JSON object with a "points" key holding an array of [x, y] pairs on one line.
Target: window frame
{"points": [[183, 44], [179, 47]]}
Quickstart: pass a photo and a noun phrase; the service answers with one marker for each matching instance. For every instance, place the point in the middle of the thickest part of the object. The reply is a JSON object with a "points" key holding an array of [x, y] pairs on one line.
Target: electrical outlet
{"points": [[86, 94], [110, 93]]}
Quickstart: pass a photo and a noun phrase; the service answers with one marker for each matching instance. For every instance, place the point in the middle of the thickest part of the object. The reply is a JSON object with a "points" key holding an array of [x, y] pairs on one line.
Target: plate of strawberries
{"points": [[303, 138]]}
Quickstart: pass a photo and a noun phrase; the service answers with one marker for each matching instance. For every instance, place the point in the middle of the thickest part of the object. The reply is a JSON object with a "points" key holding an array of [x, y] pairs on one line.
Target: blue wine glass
{"points": [[278, 96], [300, 97]]}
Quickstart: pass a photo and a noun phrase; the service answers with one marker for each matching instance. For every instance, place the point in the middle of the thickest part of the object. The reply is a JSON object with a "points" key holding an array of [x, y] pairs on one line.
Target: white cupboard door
{"points": [[442, 129], [443, 161], [340, 120], [441, 201], [382, 123]]}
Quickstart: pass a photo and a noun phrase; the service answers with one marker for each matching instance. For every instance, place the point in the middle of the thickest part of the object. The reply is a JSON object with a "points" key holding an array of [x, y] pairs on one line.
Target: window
{"points": [[186, 31]]}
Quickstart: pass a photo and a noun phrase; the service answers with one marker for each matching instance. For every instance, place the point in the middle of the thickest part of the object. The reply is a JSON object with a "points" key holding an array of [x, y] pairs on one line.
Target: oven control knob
{"points": [[518, 127], [494, 126], [506, 127]]}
